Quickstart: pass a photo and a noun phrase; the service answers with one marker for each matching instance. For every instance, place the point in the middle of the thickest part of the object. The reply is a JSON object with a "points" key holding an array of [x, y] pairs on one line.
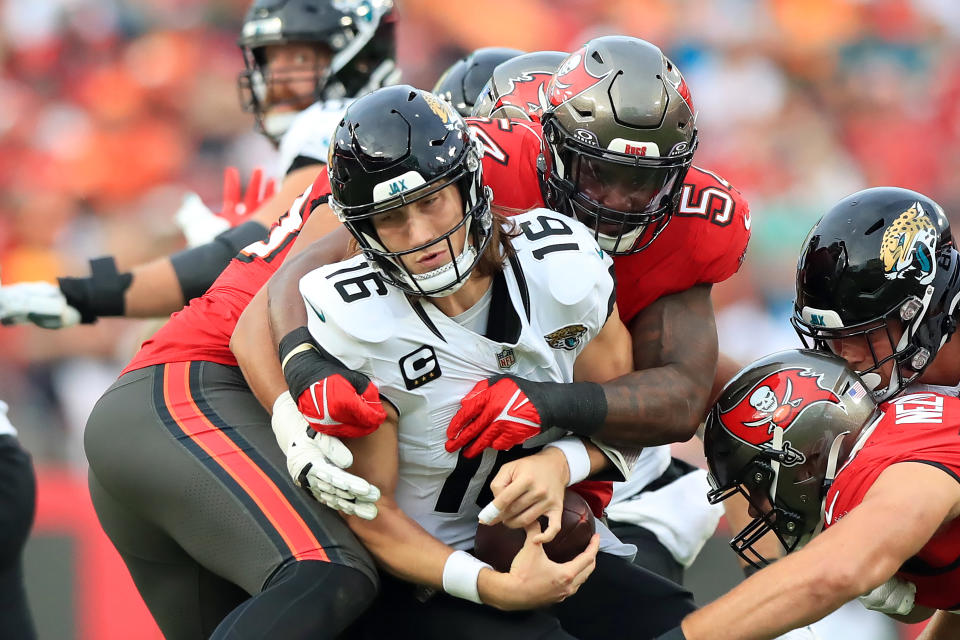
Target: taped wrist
{"points": [[304, 362], [460, 575], [99, 294], [198, 267], [580, 407]]}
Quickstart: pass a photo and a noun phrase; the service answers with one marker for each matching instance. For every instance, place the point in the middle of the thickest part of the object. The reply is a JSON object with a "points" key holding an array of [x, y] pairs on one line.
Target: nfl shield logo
{"points": [[506, 359]]}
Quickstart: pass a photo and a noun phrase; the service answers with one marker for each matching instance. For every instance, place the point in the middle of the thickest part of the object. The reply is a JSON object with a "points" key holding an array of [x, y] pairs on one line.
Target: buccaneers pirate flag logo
{"points": [[774, 403], [572, 78]]}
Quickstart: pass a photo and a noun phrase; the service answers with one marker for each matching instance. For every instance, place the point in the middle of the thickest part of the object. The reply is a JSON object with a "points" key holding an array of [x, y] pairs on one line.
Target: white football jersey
{"points": [[552, 299], [310, 133]]}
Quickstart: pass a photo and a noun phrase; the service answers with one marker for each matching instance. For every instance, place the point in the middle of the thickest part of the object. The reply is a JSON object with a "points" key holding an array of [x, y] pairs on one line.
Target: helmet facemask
{"points": [[578, 175], [260, 83], [786, 488], [925, 325]]}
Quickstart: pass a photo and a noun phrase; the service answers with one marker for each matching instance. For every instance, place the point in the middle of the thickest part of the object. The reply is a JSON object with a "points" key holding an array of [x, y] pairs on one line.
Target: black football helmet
{"points": [[393, 147], [359, 35], [461, 83], [777, 434], [518, 87], [620, 135], [880, 258]]}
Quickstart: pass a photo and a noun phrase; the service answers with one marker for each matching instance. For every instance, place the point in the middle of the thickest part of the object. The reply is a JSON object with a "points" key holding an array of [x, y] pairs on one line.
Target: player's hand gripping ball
{"points": [[498, 544]]}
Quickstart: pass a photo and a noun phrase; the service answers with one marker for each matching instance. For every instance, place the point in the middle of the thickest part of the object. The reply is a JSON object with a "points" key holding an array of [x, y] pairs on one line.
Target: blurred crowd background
{"points": [[111, 109]]}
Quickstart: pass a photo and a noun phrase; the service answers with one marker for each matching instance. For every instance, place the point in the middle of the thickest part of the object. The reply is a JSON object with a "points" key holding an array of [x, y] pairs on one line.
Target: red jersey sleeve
{"points": [[703, 243], [202, 329], [920, 427], [510, 150]]}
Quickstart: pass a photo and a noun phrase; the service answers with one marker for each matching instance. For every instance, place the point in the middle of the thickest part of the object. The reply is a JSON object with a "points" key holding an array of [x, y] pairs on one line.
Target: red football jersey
{"points": [[202, 329], [917, 427], [703, 243]]}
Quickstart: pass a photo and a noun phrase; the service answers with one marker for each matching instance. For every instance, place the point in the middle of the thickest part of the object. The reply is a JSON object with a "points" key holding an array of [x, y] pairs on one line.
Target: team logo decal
{"points": [[506, 358], [572, 78], [774, 403], [567, 338], [908, 246], [437, 106], [527, 92]]}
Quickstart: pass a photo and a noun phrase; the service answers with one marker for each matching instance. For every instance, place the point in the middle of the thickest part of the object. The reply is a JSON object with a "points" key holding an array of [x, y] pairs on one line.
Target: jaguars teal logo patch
{"points": [[568, 338]]}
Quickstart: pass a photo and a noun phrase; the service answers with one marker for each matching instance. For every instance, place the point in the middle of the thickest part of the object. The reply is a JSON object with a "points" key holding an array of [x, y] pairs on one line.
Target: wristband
{"points": [[580, 407], [100, 294], [674, 634], [460, 575], [304, 362], [578, 458]]}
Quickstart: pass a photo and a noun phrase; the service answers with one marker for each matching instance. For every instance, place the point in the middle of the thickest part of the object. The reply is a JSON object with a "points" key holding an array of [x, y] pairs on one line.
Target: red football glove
{"points": [[334, 407], [496, 413], [237, 205]]}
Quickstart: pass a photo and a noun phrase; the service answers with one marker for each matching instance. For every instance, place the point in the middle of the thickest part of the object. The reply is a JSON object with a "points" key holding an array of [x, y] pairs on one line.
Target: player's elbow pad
{"points": [[198, 267], [99, 294]]}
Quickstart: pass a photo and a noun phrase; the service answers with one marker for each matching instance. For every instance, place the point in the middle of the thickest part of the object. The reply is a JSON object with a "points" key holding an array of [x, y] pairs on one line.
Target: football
{"points": [[498, 545]]}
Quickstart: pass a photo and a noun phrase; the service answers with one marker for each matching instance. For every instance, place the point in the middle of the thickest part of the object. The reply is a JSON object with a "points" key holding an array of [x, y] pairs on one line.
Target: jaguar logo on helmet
{"points": [[437, 106], [775, 402], [572, 78], [909, 245]]}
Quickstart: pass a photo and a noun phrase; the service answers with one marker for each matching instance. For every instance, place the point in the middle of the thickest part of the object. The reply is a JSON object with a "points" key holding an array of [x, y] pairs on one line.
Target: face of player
{"points": [[292, 72], [862, 352], [420, 224]]}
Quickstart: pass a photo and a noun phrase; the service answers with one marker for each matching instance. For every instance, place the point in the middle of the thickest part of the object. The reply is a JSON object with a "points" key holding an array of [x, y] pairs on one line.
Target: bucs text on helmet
{"points": [[357, 35], [879, 273], [517, 89], [394, 147], [620, 133], [462, 82], [777, 435]]}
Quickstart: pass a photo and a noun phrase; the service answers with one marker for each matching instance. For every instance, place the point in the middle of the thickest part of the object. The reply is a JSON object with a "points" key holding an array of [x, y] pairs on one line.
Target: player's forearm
{"points": [[255, 353], [401, 546], [653, 407], [789, 594], [285, 307], [154, 291]]}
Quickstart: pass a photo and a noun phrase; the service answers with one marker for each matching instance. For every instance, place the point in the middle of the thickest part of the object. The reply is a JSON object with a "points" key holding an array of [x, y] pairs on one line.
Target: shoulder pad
{"points": [[349, 297], [564, 253], [310, 132]]}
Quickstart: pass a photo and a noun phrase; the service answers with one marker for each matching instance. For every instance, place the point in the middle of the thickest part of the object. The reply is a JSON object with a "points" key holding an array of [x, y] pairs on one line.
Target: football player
{"points": [[680, 229], [298, 53], [19, 491], [835, 478], [447, 293], [700, 224], [461, 83]]}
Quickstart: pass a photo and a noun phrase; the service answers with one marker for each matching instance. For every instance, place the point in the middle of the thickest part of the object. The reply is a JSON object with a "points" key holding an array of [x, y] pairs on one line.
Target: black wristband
{"points": [[99, 294], [674, 634], [198, 267], [304, 362], [580, 407]]}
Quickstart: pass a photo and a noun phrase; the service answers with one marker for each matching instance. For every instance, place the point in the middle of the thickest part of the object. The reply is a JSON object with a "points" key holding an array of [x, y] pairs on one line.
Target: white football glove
{"points": [[893, 597], [805, 633], [41, 303], [198, 223], [317, 461]]}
